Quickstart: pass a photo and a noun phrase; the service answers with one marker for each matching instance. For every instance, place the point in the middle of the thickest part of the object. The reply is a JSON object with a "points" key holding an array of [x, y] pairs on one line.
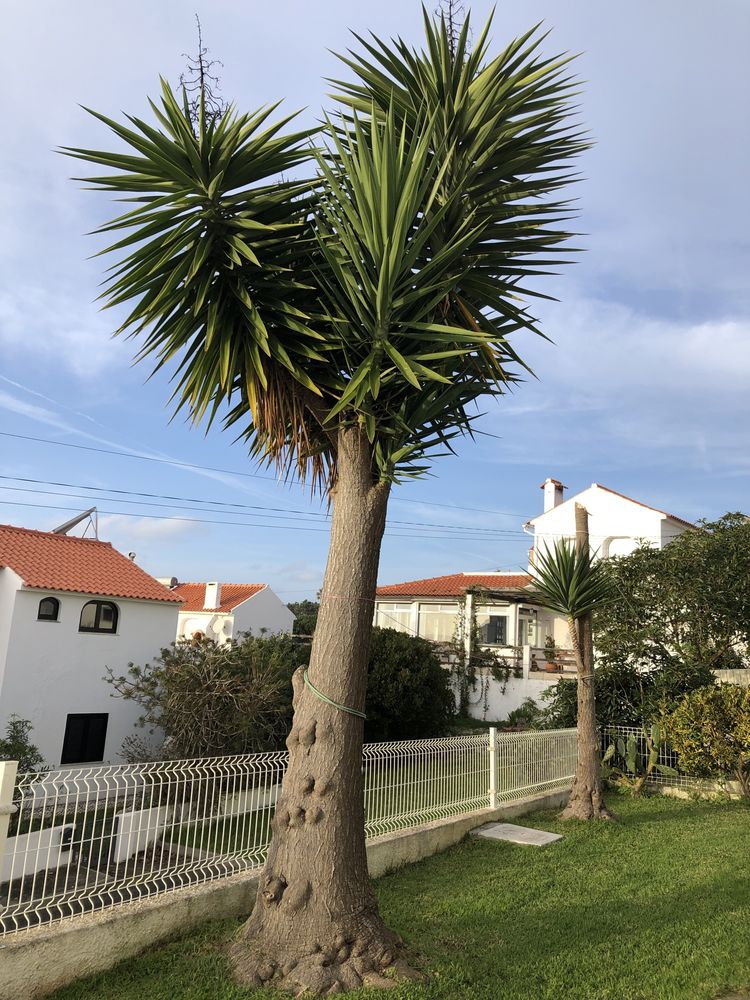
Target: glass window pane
{"points": [[48, 608], [493, 626], [437, 622], [106, 616], [395, 616], [527, 628], [88, 615]]}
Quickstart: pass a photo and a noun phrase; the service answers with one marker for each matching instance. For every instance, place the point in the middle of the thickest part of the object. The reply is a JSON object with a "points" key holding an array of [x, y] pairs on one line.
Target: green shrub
{"points": [[408, 692], [305, 616], [16, 745], [210, 699], [710, 731], [529, 714]]}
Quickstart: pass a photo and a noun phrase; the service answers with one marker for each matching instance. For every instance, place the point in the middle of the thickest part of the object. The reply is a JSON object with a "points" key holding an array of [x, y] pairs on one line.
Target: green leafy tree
{"points": [[408, 692], [569, 581], [210, 699], [344, 306], [305, 616], [710, 732], [681, 611]]}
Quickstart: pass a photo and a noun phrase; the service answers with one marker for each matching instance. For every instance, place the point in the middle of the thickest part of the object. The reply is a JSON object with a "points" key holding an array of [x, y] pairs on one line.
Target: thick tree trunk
{"points": [[316, 924], [586, 798]]}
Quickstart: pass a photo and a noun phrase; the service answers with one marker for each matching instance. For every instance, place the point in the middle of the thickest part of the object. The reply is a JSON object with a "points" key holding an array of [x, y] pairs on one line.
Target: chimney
{"points": [[213, 596], [553, 493]]}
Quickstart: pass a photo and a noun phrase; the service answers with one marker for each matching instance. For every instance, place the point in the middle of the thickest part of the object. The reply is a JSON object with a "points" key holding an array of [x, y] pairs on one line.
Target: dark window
{"points": [[84, 738], [49, 609], [98, 616], [495, 630]]}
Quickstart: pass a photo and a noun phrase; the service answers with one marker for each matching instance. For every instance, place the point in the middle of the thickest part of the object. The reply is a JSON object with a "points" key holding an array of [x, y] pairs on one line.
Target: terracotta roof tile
{"points": [[232, 594], [455, 585], [46, 561]]}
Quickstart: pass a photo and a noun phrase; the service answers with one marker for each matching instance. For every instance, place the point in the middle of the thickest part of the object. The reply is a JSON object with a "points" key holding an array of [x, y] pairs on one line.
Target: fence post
{"points": [[492, 750], [8, 769]]}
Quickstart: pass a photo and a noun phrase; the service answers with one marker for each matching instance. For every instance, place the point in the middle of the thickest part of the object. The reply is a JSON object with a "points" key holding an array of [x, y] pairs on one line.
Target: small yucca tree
{"points": [[568, 580], [346, 325]]}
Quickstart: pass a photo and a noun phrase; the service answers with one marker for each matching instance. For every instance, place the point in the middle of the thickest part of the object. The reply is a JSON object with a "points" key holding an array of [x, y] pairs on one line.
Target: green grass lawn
{"points": [[653, 907]]}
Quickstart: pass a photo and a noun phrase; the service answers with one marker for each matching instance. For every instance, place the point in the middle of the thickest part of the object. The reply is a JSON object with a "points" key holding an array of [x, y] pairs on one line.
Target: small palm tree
{"points": [[343, 299], [568, 580]]}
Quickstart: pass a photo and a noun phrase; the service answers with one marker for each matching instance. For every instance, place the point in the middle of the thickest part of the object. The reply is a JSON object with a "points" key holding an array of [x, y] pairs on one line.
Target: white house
{"points": [[441, 608], [223, 611], [617, 524], [69, 608]]}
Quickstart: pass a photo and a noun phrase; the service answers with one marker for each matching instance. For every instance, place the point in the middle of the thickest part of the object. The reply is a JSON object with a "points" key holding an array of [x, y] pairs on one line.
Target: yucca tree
{"points": [[568, 580], [345, 324]]}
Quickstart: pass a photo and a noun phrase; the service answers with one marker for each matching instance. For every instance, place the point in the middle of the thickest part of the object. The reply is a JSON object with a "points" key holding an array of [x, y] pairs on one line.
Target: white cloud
{"points": [[150, 529], [618, 383], [58, 331]]}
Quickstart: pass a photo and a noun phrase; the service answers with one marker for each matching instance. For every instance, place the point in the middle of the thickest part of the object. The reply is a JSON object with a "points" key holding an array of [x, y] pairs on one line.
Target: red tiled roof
{"points": [[46, 561], [455, 585], [232, 594]]}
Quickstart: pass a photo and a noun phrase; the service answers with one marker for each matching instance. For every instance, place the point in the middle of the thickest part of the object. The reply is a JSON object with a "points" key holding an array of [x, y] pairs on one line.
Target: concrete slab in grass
{"points": [[516, 834]]}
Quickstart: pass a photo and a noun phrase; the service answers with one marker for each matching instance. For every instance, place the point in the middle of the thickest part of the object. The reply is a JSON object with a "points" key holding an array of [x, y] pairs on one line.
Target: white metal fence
{"points": [[88, 838], [630, 742]]}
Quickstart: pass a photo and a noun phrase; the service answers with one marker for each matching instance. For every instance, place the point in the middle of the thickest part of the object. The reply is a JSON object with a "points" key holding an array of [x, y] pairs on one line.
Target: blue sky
{"points": [[645, 386]]}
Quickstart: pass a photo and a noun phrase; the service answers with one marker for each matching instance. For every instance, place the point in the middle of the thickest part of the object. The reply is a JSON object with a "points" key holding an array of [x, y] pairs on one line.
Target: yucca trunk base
{"points": [[324, 958], [586, 802]]}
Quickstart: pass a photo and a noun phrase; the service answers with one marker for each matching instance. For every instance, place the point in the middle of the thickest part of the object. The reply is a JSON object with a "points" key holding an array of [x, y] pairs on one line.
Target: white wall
{"points": [[263, 611], [53, 670], [616, 524], [10, 583], [517, 689]]}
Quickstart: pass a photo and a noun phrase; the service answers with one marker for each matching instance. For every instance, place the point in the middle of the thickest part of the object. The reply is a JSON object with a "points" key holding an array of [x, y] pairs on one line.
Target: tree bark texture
{"points": [[316, 925], [586, 798]]}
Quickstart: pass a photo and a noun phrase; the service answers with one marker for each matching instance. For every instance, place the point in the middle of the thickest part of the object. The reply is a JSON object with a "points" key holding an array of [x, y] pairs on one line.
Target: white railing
{"points": [[89, 838]]}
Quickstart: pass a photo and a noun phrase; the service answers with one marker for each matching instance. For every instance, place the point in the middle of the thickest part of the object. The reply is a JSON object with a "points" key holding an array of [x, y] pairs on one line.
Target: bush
{"points": [[17, 746], [210, 699], [528, 715], [305, 616], [627, 695], [408, 692], [710, 732]]}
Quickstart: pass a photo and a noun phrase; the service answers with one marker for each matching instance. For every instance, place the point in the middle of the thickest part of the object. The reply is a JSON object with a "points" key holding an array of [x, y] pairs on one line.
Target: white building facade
{"points": [[225, 611], [507, 620], [617, 524], [70, 608]]}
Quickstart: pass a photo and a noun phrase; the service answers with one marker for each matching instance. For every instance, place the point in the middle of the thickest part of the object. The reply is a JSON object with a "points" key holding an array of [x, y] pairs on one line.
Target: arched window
{"points": [[98, 616], [49, 609]]}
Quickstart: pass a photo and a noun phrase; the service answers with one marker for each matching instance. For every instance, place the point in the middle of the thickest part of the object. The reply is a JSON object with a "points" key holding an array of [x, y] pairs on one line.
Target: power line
{"points": [[424, 529], [232, 472], [138, 455], [218, 503], [245, 524]]}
